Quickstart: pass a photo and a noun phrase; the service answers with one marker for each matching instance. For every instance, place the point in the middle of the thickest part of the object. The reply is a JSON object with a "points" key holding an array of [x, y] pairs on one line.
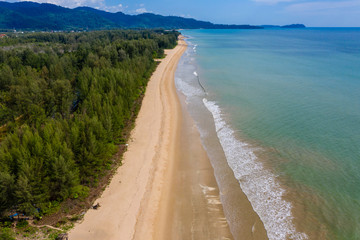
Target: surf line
{"points": [[197, 76]]}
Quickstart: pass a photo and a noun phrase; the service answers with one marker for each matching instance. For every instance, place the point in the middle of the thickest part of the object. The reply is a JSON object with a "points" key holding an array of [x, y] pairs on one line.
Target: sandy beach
{"points": [[165, 188]]}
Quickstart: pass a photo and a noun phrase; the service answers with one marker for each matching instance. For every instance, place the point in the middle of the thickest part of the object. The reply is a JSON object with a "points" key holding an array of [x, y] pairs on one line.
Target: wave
{"points": [[187, 89], [259, 184], [187, 78]]}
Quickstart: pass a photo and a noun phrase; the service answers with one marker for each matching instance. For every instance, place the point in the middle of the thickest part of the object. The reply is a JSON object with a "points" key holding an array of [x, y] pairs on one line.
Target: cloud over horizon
{"points": [[71, 3], [322, 6], [141, 10], [318, 13], [272, 2], [97, 4]]}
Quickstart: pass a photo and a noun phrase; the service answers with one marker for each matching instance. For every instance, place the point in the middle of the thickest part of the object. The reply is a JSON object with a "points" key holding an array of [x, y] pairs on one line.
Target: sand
{"points": [[165, 188]]}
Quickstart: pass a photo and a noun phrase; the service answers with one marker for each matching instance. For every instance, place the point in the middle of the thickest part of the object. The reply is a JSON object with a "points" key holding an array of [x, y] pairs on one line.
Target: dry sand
{"points": [[166, 188]]}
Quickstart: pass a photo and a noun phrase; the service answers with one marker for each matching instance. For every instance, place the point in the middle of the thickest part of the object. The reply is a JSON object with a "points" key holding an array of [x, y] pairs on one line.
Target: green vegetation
{"points": [[6, 234], [65, 99]]}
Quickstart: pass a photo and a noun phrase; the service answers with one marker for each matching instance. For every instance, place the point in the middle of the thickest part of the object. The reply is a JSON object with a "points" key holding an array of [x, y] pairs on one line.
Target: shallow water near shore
{"points": [[285, 105]]}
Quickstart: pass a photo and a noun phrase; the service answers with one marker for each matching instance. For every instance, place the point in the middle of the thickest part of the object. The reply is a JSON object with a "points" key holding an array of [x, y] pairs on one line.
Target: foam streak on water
{"points": [[259, 184]]}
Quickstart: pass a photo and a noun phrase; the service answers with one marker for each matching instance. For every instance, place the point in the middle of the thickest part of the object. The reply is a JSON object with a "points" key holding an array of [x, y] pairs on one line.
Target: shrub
{"points": [[6, 234], [80, 192]]}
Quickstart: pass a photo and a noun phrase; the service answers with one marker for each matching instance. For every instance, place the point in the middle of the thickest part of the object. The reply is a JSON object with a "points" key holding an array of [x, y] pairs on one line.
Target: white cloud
{"points": [[321, 6], [73, 3], [118, 8], [141, 10], [185, 15], [97, 4]]}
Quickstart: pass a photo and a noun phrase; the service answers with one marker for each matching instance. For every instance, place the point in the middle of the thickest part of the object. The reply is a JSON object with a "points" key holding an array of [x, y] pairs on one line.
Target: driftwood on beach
{"points": [[96, 206]]}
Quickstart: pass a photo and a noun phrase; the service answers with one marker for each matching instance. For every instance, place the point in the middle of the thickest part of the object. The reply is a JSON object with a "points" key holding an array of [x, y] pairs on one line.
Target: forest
{"points": [[29, 16], [65, 99]]}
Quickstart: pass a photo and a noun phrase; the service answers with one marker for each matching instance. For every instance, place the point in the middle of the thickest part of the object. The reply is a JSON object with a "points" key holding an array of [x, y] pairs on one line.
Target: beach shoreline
{"points": [[145, 199]]}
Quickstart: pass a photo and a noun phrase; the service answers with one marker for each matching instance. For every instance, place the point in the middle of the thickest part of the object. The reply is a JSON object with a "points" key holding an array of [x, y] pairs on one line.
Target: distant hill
{"points": [[294, 26], [36, 16]]}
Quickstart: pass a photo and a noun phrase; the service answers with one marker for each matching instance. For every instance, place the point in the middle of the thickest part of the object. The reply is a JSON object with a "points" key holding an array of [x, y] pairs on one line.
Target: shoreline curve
{"points": [[141, 198]]}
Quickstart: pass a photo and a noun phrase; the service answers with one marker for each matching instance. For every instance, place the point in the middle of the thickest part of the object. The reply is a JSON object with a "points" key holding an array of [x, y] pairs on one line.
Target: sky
{"points": [[312, 13]]}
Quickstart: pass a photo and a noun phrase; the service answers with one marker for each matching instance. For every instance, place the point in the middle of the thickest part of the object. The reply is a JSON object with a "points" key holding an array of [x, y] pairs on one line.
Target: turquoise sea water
{"points": [[286, 106]]}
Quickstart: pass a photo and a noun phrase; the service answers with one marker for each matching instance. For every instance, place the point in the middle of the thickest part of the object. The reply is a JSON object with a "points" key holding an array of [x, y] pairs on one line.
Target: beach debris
{"points": [[63, 236], [96, 206], [198, 78]]}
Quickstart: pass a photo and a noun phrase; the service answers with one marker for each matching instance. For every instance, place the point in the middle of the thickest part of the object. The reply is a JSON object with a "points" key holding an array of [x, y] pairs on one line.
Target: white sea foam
{"points": [[186, 88], [259, 184]]}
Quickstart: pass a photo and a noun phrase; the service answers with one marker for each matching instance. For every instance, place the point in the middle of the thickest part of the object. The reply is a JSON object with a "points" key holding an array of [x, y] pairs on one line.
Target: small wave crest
{"points": [[259, 184], [194, 46], [187, 89]]}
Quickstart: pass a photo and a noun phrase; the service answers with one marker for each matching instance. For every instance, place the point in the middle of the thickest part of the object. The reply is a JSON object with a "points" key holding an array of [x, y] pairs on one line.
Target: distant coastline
{"points": [[32, 16], [285, 26]]}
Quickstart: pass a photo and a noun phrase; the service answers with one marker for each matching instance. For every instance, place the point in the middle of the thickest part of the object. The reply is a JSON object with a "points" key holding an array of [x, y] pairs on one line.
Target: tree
{"points": [[63, 177], [6, 77], [7, 186], [63, 96], [65, 99]]}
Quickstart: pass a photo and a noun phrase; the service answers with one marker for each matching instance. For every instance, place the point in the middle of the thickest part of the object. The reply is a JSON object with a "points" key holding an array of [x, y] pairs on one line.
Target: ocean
{"points": [[281, 108]]}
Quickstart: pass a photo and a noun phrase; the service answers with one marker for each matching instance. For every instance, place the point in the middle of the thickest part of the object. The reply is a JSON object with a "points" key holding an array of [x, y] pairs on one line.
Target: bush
{"points": [[6, 234], [79, 192], [22, 224]]}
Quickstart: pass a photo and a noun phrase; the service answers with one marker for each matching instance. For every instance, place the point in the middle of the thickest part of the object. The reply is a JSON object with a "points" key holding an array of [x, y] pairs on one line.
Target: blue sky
{"points": [[314, 13]]}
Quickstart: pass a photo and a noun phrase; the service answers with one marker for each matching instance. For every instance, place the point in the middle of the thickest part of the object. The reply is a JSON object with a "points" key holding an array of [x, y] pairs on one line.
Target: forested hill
{"points": [[35, 16], [65, 99]]}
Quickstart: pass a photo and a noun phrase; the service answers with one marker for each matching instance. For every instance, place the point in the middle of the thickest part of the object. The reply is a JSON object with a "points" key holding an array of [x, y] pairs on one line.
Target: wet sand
{"points": [[166, 187]]}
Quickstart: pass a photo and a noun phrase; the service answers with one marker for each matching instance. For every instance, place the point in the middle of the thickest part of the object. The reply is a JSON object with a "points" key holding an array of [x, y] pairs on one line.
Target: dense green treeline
{"points": [[64, 101]]}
